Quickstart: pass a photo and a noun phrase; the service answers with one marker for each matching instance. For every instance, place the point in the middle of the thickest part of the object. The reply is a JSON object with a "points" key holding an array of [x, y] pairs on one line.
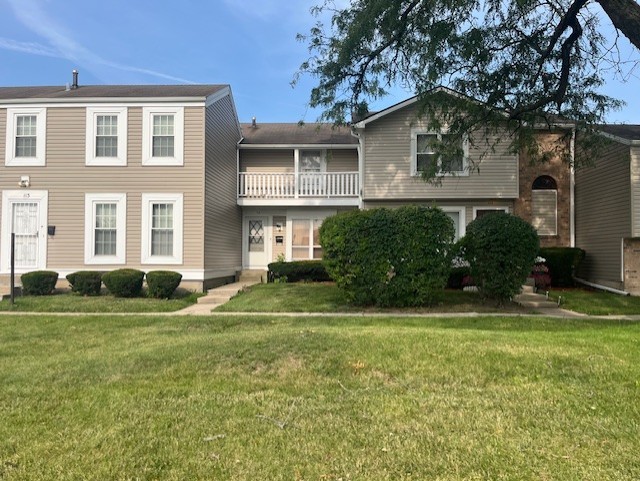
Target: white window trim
{"points": [[462, 218], [489, 207], [90, 201], [41, 138], [147, 137], [92, 117], [414, 153], [178, 228], [8, 198]]}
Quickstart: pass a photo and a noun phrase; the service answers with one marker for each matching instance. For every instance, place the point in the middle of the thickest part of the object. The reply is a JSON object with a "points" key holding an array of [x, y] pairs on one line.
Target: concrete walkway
{"points": [[213, 298]]}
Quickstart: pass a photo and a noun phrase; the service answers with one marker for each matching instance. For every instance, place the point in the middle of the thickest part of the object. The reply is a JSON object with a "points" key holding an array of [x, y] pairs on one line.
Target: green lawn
{"points": [[326, 297], [595, 303], [67, 302], [273, 398]]}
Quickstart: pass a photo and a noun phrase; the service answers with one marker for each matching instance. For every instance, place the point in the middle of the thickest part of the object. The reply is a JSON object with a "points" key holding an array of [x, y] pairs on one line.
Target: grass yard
{"points": [[69, 302], [270, 398], [326, 297], [595, 303]]}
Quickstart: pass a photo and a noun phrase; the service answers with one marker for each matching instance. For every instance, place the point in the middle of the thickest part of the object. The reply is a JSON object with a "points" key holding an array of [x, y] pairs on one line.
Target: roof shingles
{"points": [[296, 134], [108, 91]]}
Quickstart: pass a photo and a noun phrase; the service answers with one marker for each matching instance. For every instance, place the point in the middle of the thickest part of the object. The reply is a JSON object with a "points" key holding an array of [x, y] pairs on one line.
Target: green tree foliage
{"points": [[386, 257], [525, 63], [501, 249]]}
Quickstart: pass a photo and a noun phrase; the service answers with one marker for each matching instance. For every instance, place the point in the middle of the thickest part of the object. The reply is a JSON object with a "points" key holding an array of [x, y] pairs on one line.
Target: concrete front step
{"points": [[253, 276]]}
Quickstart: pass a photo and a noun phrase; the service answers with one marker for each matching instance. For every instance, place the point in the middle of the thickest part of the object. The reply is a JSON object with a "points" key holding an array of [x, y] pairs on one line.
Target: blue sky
{"points": [[249, 44]]}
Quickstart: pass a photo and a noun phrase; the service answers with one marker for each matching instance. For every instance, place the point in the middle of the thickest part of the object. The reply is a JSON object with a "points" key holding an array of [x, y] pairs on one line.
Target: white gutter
{"points": [[601, 287], [572, 190]]}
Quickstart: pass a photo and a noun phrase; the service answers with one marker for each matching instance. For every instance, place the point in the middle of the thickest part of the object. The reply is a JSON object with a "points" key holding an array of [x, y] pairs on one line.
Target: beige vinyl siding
{"points": [[67, 179], [3, 134], [387, 164], [635, 188], [603, 214], [223, 217], [343, 160], [273, 161]]}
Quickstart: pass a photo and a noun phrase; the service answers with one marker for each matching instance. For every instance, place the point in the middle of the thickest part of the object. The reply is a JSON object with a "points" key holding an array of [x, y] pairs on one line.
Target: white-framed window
{"points": [[424, 157], [303, 242], [484, 210], [162, 135], [105, 228], [458, 216], [106, 136], [312, 163], [26, 137], [162, 228]]}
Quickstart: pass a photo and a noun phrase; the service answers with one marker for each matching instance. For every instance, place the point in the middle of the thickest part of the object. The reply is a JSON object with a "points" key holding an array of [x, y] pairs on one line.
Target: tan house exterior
{"points": [[488, 179], [607, 200], [105, 177]]}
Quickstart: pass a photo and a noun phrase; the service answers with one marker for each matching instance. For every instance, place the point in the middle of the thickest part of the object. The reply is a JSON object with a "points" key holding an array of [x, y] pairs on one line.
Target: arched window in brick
{"points": [[544, 205]]}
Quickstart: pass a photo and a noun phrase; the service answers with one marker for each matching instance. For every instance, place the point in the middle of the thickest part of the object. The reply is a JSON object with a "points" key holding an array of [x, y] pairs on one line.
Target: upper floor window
{"points": [[106, 136], [162, 135], [438, 153], [313, 161], [26, 137]]}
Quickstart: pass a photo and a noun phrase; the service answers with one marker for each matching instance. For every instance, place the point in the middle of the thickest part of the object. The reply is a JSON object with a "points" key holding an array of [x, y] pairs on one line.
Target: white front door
{"points": [[24, 213], [256, 242]]}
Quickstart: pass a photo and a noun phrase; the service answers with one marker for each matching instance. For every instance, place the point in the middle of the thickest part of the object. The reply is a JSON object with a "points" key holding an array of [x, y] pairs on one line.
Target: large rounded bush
{"points": [[501, 249], [86, 283], [38, 283], [389, 257], [124, 282], [162, 284]]}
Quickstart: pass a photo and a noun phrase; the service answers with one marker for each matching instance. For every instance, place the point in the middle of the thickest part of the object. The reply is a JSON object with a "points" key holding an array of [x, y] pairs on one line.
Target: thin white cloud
{"points": [[62, 44], [32, 48]]}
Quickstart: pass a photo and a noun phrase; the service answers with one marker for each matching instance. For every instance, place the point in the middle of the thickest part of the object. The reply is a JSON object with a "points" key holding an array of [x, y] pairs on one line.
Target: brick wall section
{"points": [[631, 250], [560, 171]]}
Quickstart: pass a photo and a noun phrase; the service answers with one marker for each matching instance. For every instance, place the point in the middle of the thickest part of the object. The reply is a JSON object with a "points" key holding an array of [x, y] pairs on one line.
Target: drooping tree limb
{"points": [[625, 16]]}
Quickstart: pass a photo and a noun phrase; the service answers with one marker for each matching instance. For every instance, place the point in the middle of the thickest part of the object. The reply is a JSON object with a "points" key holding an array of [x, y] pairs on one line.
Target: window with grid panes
{"points": [[105, 235], [26, 135], [162, 229], [107, 136], [163, 135]]}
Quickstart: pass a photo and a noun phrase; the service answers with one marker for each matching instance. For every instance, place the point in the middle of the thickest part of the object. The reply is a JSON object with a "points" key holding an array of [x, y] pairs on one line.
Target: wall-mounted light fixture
{"points": [[24, 181]]}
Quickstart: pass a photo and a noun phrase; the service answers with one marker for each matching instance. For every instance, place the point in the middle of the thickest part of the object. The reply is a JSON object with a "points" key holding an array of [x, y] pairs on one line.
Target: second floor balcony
{"points": [[299, 188]]}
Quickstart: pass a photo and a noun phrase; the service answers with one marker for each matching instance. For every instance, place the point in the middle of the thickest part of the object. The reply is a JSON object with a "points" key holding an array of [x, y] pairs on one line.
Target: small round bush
{"points": [[501, 249], [39, 283], [124, 282], [86, 283], [162, 284]]}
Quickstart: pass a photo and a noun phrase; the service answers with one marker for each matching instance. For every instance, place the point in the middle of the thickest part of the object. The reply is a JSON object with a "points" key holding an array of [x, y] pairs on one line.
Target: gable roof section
{"points": [[294, 134], [627, 132], [83, 92]]}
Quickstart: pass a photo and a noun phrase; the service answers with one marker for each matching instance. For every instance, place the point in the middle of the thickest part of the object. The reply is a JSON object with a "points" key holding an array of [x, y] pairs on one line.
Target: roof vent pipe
{"points": [[253, 122], [74, 85]]}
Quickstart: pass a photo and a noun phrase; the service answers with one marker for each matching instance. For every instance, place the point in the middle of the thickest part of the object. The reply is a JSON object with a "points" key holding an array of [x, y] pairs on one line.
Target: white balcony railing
{"points": [[292, 186]]}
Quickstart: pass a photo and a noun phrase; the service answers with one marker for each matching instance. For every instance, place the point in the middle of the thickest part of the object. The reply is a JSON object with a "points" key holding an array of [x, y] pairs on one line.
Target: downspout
{"points": [[360, 169], [601, 287], [572, 187]]}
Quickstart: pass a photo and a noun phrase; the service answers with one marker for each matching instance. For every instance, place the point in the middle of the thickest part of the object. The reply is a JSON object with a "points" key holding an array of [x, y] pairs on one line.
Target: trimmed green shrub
{"points": [[124, 282], [501, 249], [86, 283], [386, 257], [39, 283], [162, 284], [562, 263], [295, 271]]}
